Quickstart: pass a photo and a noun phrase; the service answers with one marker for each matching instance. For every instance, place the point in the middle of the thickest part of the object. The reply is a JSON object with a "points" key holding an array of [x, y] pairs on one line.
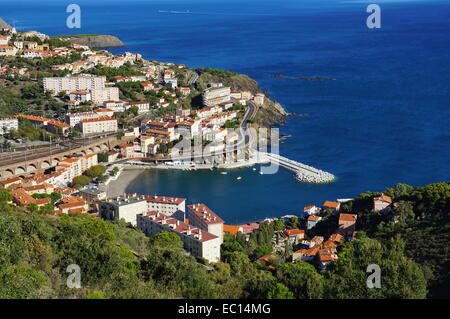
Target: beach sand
{"points": [[118, 187]]}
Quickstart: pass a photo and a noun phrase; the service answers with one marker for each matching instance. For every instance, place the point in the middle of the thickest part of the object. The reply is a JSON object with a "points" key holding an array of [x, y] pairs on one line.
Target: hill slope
{"points": [[94, 40]]}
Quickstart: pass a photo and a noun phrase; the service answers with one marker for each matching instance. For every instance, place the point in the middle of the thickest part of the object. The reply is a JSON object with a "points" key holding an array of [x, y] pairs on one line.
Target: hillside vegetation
{"points": [[120, 262]]}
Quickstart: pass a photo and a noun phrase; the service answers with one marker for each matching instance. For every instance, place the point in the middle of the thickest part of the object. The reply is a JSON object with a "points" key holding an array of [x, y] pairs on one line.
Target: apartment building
{"points": [[216, 95], [58, 127], [8, 124], [201, 216], [116, 106], [100, 95], [142, 106], [125, 207], [170, 206], [73, 119], [88, 161], [73, 166], [80, 96], [195, 241], [98, 125], [259, 98], [74, 83], [6, 50]]}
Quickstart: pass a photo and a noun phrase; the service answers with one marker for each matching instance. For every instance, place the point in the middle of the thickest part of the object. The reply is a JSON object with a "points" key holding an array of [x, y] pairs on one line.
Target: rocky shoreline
{"points": [[94, 40]]}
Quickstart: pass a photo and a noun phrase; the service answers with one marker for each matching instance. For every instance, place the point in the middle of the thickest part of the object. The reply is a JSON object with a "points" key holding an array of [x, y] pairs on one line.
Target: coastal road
{"points": [[246, 138], [193, 78]]}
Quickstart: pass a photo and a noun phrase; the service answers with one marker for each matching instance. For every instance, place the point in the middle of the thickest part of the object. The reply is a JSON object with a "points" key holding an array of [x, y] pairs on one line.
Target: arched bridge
{"points": [[38, 160]]}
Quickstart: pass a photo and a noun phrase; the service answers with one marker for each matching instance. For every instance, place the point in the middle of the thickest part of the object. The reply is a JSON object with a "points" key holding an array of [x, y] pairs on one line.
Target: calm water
{"points": [[384, 120]]}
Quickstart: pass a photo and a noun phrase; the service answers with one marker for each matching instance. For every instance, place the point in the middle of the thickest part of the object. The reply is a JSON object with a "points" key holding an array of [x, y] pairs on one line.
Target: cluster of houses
{"points": [[322, 251], [317, 250], [14, 43], [22, 189]]}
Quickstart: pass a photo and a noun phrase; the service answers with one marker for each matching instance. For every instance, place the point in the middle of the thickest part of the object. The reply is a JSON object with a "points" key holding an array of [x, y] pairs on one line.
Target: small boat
{"points": [[238, 178], [261, 173], [254, 169], [223, 173]]}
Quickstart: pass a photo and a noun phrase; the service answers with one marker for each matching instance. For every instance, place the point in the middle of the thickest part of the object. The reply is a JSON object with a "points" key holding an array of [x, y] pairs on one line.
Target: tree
{"points": [[263, 250], [96, 171], [400, 277], [21, 282], [12, 246], [167, 240], [229, 247], [302, 279], [80, 181], [102, 157], [280, 291]]}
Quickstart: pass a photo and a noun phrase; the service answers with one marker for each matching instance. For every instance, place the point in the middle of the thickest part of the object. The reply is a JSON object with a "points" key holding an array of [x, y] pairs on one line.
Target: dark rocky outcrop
{"points": [[3, 23], [94, 40]]}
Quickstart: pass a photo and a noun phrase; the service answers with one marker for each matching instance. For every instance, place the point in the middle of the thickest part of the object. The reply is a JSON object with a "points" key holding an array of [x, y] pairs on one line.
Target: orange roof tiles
{"points": [[383, 198], [232, 230], [329, 204], [294, 232], [348, 217]]}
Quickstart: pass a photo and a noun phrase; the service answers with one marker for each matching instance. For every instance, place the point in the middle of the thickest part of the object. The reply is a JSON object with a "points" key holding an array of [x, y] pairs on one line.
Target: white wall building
{"points": [[201, 216], [8, 124], [126, 208], [101, 95], [195, 241], [74, 83]]}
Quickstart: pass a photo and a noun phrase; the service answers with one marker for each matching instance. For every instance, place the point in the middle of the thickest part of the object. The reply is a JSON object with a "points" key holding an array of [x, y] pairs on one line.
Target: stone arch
{"points": [[46, 164], [96, 149], [104, 147], [19, 170], [31, 168], [8, 173]]}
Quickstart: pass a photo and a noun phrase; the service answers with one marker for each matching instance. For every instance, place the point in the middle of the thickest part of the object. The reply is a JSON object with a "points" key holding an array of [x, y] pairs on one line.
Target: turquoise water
{"points": [[384, 119]]}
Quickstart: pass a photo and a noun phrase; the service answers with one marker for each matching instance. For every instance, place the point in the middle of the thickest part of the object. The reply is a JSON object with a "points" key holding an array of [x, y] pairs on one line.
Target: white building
{"points": [[216, 95], [74, 83], [143, 106], [101, 95], [126, 208], [201, 216], [80, 96], [73, 119], [116, 106], [98, 125], [8, 124], [195, 241], [169, 206]]}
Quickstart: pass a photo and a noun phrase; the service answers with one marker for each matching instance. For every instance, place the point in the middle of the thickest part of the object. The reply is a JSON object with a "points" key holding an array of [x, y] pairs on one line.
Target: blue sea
{"points": [[384, 119]]}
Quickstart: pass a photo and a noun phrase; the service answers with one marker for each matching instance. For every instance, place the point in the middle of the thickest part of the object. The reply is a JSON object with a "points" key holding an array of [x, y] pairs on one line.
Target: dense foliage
{"points": [[117, 261]]}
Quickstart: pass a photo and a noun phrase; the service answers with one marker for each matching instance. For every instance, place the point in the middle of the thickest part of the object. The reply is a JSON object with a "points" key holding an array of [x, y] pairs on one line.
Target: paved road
{"points": [[246, 138], [193, 78]]}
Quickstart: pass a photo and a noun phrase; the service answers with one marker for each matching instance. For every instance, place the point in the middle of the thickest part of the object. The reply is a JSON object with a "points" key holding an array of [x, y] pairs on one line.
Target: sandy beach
{"points": [[117, 187]]}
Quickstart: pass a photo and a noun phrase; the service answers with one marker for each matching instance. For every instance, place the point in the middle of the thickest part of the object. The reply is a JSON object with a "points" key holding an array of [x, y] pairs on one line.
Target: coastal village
{"points": [[102, 103]]}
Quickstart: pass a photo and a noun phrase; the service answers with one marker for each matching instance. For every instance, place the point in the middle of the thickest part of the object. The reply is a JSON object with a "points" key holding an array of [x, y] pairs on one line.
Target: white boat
{"points": [[239, 178], [223, 173], [254, 169], [261, 173]]}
